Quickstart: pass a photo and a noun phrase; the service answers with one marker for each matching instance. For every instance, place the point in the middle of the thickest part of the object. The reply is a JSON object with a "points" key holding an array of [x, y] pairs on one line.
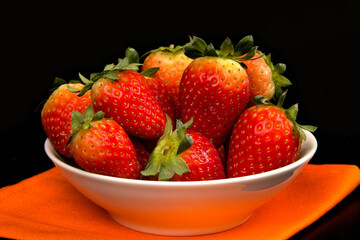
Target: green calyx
{"points": [[55, 85], [276, 71], [81, 121], [170, 49], [291, 113], [243, 50], [164, 161], [129, 62]]}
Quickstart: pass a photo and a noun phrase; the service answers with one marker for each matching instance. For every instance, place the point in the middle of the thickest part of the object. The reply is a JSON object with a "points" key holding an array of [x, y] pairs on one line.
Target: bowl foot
{"points": [[175, 230]]}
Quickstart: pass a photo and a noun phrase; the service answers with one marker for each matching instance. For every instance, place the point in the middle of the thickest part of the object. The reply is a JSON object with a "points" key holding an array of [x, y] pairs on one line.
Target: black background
{"points": [[318, 41]]}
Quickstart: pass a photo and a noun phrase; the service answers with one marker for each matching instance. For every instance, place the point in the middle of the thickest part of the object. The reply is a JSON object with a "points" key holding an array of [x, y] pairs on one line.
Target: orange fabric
{"points": [[46, 206]]}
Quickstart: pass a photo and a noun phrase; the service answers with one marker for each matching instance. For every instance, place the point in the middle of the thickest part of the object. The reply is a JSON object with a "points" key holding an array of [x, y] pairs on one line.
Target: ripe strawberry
{"points": [[222, 154], [102, 146], [131, 103], [184, 156], [214, 89], [125, 95], [163, 97], [265, 137], [56, 114], [172, 63], [141, 152], [265, 78]]}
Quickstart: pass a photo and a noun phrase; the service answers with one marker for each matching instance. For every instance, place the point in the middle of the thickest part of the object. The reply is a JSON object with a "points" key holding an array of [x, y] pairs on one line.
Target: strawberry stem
{"points": [[83, 121], [164, 161], [198, 48]]}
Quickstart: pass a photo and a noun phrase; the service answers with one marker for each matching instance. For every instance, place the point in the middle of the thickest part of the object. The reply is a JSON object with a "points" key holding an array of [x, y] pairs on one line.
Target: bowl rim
{"points": [[310, 140]]}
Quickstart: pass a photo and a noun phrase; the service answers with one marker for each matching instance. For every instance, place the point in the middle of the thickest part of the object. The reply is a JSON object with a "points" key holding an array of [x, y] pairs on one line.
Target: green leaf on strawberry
{"points": [[132, 56], [170, 49], [150, 72], [83, 121], [227, 48], [129, 62], [88, 84], [195, 48], [198, 48], [210, 51], [244, 45], [279, 80], [164, 160]]}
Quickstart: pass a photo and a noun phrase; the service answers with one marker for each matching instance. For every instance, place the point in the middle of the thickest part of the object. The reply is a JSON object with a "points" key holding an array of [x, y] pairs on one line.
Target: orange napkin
{"points": [[46, 206]]}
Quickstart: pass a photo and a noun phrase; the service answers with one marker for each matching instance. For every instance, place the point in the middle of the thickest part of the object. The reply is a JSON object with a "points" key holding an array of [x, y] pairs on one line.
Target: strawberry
{"points": [[172, 63], [125, 95], [163, 97], [214, 88], [265, 137], [102, 146], [184, 155], [56, 114], [222, 154], [141, 152], [131, 103], [265, 78]]}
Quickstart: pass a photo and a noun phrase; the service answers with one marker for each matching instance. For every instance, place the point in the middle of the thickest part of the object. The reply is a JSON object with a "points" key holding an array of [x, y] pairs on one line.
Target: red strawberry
{"points": [[163, 97], [102, 146], [265, 78], [265, 137], [214, 90], [172, 63], [222, 154], [125, 95], [56, 115], [141, 152], [184, 156], [131, 103]]}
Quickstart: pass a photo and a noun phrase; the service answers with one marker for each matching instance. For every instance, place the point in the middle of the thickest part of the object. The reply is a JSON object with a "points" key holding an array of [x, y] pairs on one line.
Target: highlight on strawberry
{"points": [[171, 62], [102, 146], [215, 88], [265, 137], [124, 94], [57, 110]]}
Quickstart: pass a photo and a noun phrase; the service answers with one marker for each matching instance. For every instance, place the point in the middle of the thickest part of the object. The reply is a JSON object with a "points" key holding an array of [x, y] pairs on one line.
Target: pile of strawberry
{"points": [[120, 122]]}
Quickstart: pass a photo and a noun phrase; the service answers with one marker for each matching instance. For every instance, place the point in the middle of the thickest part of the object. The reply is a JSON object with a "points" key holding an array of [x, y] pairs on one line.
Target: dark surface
{"points": [[318, 42]]}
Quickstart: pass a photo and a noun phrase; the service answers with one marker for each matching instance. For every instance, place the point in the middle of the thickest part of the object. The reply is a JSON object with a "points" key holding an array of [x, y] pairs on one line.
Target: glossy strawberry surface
{"points": [[130, 101], [202, 159], [106, 149], [262, 139], [56, 115], [260, 77], [141, 152], [172, 65], [163, 97], [213, 91]]}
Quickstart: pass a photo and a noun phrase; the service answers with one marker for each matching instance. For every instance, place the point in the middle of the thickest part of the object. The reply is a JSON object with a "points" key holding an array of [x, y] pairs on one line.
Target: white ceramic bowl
{"points": [[183, 208]]}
